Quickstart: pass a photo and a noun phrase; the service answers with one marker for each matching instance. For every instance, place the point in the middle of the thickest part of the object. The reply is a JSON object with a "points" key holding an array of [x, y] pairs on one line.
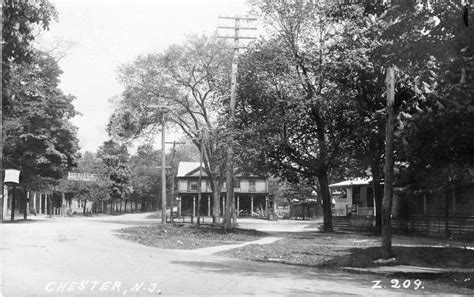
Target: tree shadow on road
{"points": [[121, 222], [273, 270]]}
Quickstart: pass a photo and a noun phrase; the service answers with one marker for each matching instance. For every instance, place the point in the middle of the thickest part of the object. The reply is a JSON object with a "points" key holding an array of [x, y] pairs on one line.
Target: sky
{"points": [[98, 36]]}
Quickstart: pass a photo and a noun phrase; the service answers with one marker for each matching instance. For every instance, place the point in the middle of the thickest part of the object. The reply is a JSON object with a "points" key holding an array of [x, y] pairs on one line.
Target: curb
{"points": [[404, 269]]}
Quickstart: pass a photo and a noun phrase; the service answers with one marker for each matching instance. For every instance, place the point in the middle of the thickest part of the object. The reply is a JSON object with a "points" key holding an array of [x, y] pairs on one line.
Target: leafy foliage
{"points": [[115, 157], [191, 81], [38, 135], [300, 120], [88, 190], [20, 19]]}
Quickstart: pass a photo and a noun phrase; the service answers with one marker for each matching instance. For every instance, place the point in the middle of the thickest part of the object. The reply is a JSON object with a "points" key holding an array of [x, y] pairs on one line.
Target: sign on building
{"points": [[79, 176]]}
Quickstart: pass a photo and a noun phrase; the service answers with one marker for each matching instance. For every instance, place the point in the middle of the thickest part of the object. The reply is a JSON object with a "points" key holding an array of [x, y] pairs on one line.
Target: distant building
{"points": [[250, 192], [357, 197], [354, 196]]}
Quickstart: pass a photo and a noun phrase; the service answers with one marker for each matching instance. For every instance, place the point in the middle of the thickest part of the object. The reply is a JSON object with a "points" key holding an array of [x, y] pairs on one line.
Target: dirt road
{"points": [[83, 257]]}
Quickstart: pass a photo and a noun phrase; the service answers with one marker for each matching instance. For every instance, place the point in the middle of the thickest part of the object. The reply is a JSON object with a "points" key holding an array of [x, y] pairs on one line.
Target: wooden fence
{"points": [[435, 225], [304, 211]]}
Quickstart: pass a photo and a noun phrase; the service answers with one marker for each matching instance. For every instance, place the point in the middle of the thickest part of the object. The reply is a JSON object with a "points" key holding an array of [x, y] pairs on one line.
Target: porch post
{"points": [[5, 201], [251, 205], [266, 203], [34, 201], [194, 206], [40, 210], [179, 206], [208, 206], [238, 205]]}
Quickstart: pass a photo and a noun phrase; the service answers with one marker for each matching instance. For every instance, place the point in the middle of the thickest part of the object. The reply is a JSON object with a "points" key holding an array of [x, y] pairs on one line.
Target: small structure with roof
{"points": [[353, 196]]}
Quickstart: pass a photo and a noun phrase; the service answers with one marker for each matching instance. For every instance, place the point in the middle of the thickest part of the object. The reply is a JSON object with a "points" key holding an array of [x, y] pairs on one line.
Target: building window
{"points": [[237, 183], [252, 187], [193, 186]]}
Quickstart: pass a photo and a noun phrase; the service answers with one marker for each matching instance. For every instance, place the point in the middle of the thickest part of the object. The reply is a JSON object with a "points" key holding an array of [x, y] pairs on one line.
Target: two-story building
{"points": [[250, 192]]}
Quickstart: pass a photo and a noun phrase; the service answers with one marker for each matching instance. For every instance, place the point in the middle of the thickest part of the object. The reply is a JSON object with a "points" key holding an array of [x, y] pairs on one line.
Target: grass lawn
{"points": [[186, 236], [337, 250], [316, 249]]}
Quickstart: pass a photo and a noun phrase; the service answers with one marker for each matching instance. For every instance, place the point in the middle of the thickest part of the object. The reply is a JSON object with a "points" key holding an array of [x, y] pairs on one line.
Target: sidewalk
{"points": [[215, 249]]}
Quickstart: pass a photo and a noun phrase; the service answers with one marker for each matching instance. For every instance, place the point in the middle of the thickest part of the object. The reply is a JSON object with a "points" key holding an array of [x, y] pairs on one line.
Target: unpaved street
{"points": [[83, 257]]}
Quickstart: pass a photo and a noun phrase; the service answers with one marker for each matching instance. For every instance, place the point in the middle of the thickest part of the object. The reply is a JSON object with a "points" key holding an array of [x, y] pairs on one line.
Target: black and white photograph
{"points": [[237, 148]]}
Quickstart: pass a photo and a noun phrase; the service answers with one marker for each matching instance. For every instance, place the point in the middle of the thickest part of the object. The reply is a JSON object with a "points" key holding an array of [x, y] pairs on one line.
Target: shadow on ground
{"points": [[268, 269], [131, 223], [442, 257]]}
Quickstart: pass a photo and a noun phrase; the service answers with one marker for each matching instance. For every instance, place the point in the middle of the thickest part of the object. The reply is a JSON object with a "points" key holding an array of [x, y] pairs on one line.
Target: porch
{"points": [[245, 204]]}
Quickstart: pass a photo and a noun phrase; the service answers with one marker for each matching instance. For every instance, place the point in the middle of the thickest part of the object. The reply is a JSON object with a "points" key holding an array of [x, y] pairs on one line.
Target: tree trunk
{"points": [[230, 194], [25, 207], [125, 206], [388, 184], [50, 205], [84, 208], [327, 208], [216, 198]]}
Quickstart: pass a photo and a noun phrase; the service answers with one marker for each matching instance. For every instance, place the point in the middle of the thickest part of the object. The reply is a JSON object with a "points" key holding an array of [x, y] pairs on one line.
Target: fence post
{"points": [[459, 226]]}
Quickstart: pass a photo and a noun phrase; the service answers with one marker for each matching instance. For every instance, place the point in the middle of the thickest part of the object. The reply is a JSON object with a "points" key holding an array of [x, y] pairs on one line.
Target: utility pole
{"points": [[200, 179], [163, 170], [388, 180], [231, 124], [163, 109], [173, 172]]}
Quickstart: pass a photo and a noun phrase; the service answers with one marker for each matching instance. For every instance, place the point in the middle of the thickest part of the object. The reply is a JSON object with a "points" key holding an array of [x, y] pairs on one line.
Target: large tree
{"points": [[428, 43], [19, 20], [39, 137], [115, 157], [191, 81], [439, 136], [288, 100], [360, 75], [146, 176]]}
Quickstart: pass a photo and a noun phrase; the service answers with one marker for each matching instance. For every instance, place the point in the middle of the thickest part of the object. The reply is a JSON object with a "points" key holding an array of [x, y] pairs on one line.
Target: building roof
{"points": [[354, 182], [192, 169], [186, 168]]}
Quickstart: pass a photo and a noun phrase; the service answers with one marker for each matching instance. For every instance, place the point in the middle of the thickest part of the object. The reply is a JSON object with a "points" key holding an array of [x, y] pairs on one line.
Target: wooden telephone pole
{"points": [[233, 87], [163, 171], [173, 172], [388, 170], [201, 153]]}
